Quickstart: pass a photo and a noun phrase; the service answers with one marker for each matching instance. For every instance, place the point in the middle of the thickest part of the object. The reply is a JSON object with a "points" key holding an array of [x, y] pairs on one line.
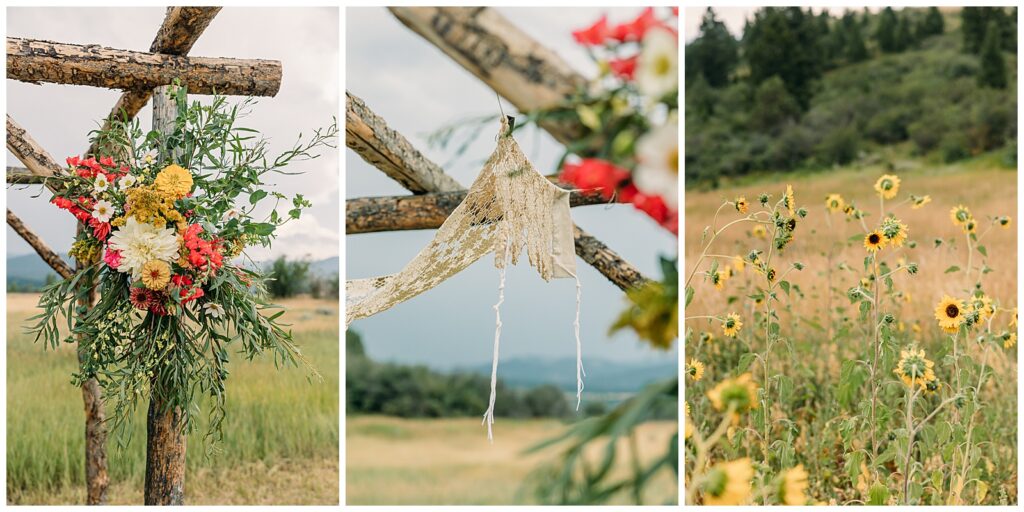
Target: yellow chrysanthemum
{"points": [[156, 274], [793, 486], [789, 201], [731, 325], [741, 204], [834, 203], [151, 206], [174, 181], [920, 202], [914, 369], [888, 186], [728, 483], [874, 241], [695, 369], [960, 215], [950, 314]]}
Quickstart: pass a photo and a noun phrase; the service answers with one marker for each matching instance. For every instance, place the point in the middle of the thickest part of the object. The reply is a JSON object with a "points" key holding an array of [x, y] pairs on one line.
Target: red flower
{"points": [[73, 161], [62, 202], [593, 35], [188, 292], [623, 68], [112, 258], [635, 30], [203, 254], [100, 230], [107, 161], [654, 206], [594, 173]]}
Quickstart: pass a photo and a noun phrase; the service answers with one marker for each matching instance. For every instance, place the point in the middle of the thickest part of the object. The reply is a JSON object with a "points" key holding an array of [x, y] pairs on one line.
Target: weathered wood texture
{"points": [[165, 439], [606, 261], [35, 61], [30, 153], [97, 478], [22, 176], [179, 31], [400, 213], [48, 255], [505, 58], [165, 455], [371, 138]]}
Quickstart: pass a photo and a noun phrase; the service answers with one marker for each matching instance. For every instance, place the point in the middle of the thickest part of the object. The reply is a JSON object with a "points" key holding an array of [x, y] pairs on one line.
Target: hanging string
{"points": [[489, 413], [580, 372]]}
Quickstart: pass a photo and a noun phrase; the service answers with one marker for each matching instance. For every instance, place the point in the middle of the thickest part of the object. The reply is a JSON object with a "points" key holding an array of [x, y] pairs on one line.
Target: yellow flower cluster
{"points": [[151, 206]]}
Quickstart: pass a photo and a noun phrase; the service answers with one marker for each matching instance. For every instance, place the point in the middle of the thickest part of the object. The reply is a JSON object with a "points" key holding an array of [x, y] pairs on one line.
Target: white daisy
{"points": [[103, 211], [127, 181], [657, 72], [658, 158], [101, 183], [142, 242], [213, 310]]}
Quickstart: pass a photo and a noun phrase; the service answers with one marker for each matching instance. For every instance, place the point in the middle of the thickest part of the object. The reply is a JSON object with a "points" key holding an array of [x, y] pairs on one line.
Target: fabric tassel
{"points": [[489, 413], [580, 372]]}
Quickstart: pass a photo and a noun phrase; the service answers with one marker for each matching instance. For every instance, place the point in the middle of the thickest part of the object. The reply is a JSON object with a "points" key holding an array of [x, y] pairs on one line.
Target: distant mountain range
{"points": [[603, 376], [28, 271]]}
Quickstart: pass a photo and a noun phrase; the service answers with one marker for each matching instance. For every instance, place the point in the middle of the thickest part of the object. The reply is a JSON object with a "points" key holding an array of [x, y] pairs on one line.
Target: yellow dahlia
{"points": [[156, 274], [174, 181]]}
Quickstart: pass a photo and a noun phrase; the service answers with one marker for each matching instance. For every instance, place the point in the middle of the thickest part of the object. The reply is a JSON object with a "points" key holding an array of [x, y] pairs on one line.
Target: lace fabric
{"points": [[509, 210]]}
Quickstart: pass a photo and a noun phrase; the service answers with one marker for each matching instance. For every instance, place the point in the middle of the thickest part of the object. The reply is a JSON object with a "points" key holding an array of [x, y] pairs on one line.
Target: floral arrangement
{"points": [[630, 151], [165, 219]]}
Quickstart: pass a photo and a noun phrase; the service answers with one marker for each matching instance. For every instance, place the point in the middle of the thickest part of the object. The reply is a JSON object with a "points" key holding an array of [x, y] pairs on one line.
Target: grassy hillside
{"points": [[281, 435]]}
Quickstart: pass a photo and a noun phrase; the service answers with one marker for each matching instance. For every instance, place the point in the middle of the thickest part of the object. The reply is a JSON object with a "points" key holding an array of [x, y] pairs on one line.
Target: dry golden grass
{"points": [[398, 461], [986, 190]]}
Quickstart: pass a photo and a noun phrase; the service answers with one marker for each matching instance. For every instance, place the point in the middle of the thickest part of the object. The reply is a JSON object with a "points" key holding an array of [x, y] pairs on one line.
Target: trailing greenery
{"points": [[803, 90]]}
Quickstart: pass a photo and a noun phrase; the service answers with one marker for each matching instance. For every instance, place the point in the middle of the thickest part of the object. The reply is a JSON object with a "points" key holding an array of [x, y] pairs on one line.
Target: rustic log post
{"points": [[165, 433], [35, 61], [48, 255]]}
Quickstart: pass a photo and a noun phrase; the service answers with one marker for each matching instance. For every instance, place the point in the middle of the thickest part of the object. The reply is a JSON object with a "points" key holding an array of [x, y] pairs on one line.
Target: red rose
{"points": [[593, 35]]}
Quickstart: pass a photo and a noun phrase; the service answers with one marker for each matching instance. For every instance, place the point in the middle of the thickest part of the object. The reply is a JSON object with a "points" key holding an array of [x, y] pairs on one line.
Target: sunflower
{"points": [[738, 264], [920, 201], [741, 204], [834, 203], [174, 181], [1013, 321], [895, 231], [1009, 339], [914, 369], [792, 486], [874, 241], [888, 186], [695, 369], [728, 483], [759, 231], [960, 215], [849, 209], [789, 201], [719, 278], [970, 226], [950, 314], [707, 337], [983, 305], [739, 393], [731, 325], [1004, 222], [156, 274]]}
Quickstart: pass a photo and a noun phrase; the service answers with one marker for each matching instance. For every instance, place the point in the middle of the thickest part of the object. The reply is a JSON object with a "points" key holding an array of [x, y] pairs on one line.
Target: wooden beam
{"points": [[606, 261], [28, 151], [428, 211], [48, 255], [23, 176], [486, 44], [179, 31], [35, 61], [386, 149]]}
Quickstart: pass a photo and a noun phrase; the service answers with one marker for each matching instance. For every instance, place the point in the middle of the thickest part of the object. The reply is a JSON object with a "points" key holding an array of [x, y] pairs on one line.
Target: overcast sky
{"points": [[417, 90], [60, 117]]}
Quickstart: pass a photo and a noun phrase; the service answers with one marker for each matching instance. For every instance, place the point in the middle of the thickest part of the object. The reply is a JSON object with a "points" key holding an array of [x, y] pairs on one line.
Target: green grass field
{"points": [[281, 435], [394, 461]]}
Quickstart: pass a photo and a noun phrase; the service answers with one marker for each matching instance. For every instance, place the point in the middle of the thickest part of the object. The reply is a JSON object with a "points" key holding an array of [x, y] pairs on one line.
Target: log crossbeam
{"points": [[42, 249]]}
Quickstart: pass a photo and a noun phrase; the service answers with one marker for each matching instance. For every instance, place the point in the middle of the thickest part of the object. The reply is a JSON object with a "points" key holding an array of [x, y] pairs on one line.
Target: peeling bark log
{"points": [[370, 137], [35, 61], [401, 213], [48, 255], [25, 149], [165, 432], [606, 261], [97, 478], [179, 31], [505, 58], [23, 176]]}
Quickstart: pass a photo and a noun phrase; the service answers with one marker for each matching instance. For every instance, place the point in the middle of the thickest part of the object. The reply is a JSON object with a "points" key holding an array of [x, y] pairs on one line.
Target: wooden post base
{"points": [[165, 455]]}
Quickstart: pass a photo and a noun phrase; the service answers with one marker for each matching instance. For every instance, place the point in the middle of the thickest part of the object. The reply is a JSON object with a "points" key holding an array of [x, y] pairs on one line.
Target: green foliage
{"points": [[783, 42], [714, 54], [993, 65], [886, 32], [288, 278]]}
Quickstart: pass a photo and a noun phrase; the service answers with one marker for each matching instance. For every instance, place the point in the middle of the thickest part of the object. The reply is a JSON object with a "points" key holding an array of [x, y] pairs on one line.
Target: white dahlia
{"points": [[143, 242], [657, 172], [657, 72]]}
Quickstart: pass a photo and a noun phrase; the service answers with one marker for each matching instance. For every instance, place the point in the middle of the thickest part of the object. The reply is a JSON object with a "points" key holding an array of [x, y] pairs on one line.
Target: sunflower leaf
{"points": [[952, 269]]}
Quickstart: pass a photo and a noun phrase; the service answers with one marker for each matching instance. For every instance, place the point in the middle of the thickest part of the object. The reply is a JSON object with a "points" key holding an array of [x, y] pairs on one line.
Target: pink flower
{"points": [[112, 258]]}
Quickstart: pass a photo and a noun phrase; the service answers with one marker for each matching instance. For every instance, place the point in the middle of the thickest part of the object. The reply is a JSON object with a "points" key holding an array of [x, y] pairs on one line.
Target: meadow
{"points": [[281, 434], [396, 461], [834, 380]]}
